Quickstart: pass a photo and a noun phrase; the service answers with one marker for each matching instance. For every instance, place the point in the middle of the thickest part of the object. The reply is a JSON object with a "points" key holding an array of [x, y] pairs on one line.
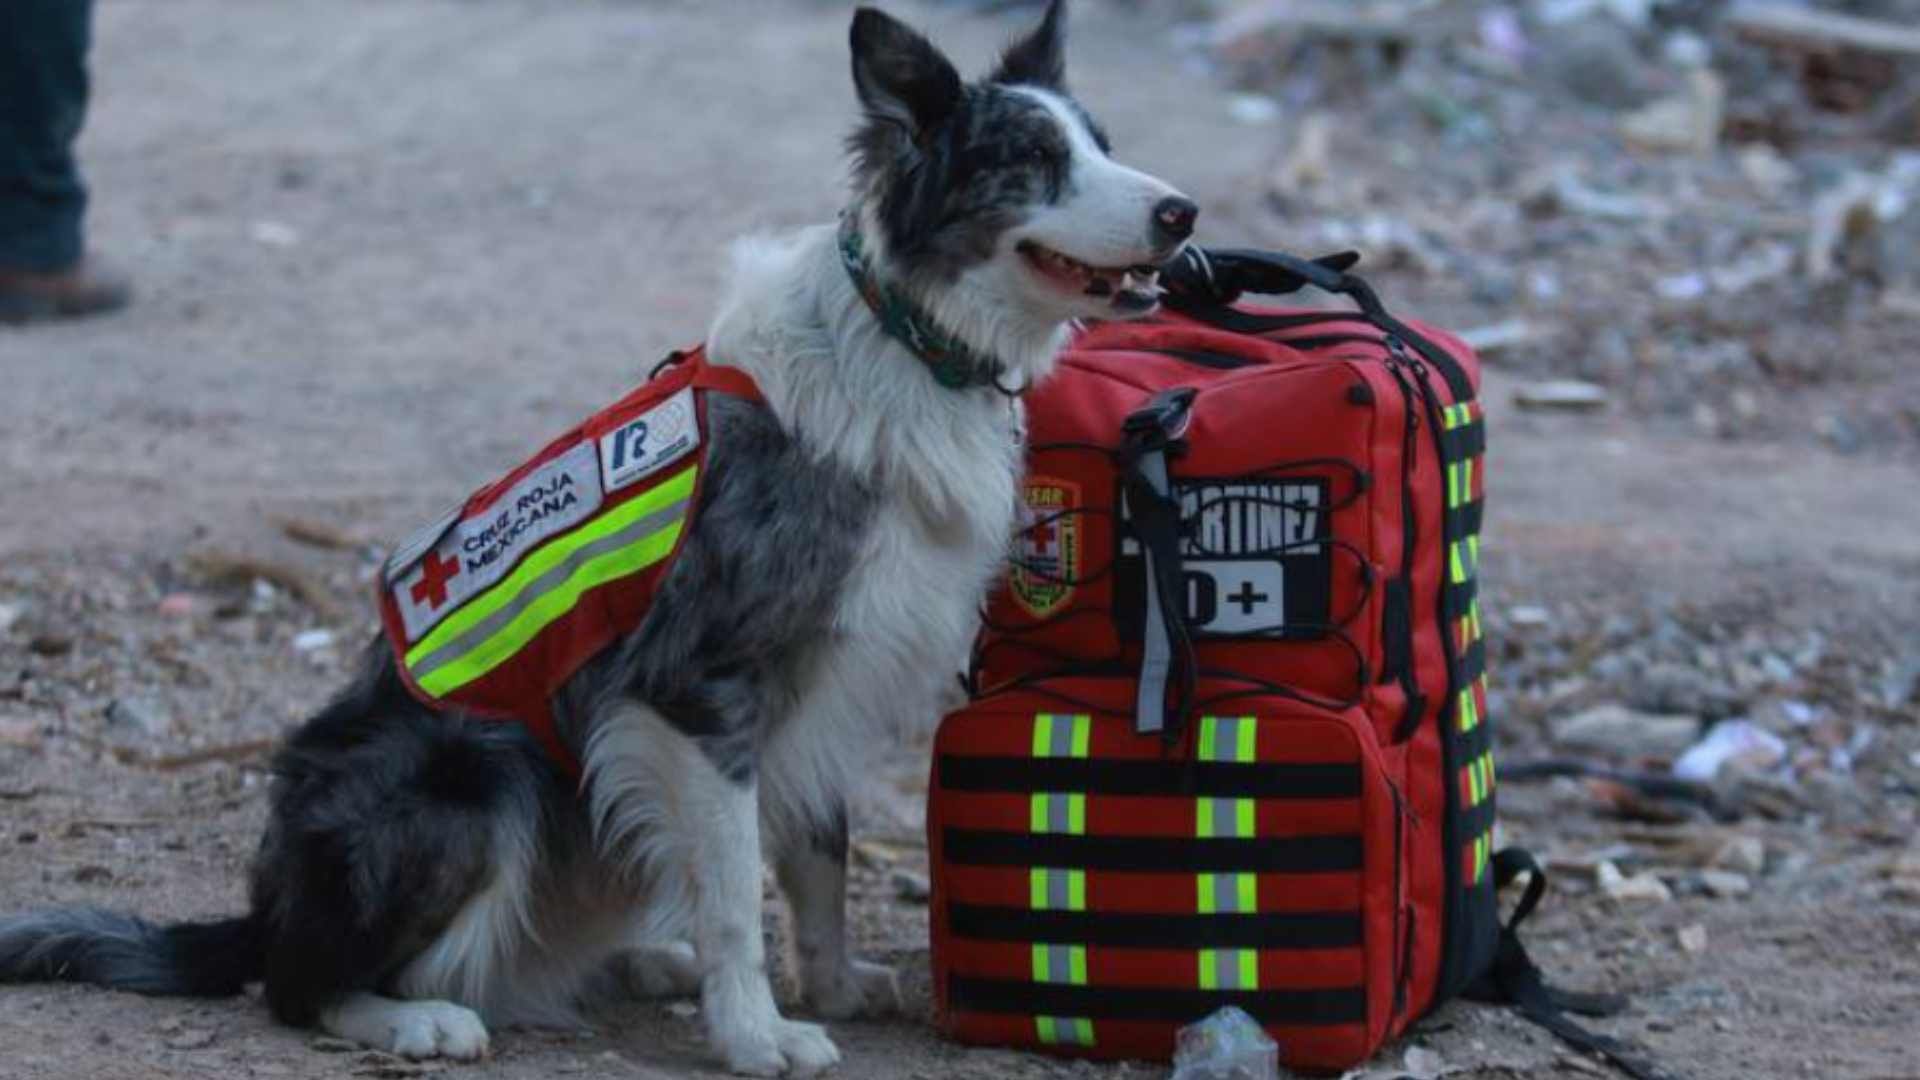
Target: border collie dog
{"points": [[424, 875]]}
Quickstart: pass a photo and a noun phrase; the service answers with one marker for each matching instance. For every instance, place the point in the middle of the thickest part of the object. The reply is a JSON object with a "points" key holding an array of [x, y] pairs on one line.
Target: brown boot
{"points": [[86, 288]]}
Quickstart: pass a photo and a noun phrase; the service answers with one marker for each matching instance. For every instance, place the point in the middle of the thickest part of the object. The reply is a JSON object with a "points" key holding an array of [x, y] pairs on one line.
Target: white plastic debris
{"points": [[308, 641], [1253, 109], [1229, 1045], [1730, 741]]}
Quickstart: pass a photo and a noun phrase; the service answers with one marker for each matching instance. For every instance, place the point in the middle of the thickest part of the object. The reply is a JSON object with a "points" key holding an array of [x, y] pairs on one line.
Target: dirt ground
{"points": [[384, 248]]}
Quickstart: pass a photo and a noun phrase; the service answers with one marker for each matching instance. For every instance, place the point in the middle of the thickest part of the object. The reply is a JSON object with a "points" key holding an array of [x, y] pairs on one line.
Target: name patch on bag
{"points": [[1255, 557]]}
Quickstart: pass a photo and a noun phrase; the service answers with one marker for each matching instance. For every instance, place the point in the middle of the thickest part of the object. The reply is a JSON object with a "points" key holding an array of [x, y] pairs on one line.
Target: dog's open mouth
{"points": [[1131, 288]]}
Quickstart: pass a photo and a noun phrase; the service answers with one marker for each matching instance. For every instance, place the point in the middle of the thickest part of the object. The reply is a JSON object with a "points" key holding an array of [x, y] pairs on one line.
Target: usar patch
{"points": [[1047, 550]]}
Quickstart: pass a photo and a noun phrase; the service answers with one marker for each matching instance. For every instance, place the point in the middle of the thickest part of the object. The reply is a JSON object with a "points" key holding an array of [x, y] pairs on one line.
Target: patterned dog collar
{"points": [[953, 363]]}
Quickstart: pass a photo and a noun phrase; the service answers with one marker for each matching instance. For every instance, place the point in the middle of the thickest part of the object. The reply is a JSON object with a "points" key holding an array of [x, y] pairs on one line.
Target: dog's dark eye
{"points": [[1037, 155]]}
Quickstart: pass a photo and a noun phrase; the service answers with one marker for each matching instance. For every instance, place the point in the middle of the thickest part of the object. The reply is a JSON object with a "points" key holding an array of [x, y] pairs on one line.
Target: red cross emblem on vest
{"points": [[435, 572]]}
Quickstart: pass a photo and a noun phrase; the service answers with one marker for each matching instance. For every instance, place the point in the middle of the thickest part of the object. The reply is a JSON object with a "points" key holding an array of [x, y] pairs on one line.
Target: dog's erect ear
{"points": [[900, 76], [1039, 59]]}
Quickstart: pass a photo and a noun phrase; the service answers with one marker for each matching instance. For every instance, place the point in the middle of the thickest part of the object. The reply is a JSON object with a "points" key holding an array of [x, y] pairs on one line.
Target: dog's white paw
{"points": [[665, 970], [787, 1048], [855, 989], [411, 1029]]}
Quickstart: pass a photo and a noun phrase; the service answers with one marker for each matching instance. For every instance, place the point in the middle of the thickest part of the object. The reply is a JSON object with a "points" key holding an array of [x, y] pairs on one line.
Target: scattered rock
{"points": [[188, 1038], [1616, 730], [1687, 123], [1725, 884], [1597, 60], [308, 641], [140, 716], [911, 887], [327, 1044], [1565, 395], [1741, 854], [1693, 939], [1765, 169], [1308, 162], [274, 234], [1528, 617], [1563, 191], [9, 614], [178, 606], [1640, 888], [877, 854], [1253, 109], [50, 644], [1845, 222], [319, 534], [1501, 336], [92, 874]]}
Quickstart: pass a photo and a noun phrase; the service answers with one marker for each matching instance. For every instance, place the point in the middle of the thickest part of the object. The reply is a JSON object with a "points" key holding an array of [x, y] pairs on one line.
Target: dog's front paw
{"points": [[855, 989], [411, 1029], [786, 1048]]}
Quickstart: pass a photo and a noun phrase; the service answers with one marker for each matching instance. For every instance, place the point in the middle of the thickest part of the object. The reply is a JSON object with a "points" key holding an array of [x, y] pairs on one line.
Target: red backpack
{"points": [[1228, 742]]}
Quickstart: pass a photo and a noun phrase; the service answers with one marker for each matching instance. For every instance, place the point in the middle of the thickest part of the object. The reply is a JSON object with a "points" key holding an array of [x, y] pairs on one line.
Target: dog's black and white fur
{"points": [[424, 875]]}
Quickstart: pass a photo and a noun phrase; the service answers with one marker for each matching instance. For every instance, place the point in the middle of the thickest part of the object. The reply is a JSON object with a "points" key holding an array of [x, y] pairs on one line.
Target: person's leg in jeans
{"points": [[43, 102]]}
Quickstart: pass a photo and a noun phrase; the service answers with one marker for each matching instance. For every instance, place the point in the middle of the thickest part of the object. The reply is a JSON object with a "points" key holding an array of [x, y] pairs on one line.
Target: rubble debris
{"points": [[1725, 884], [1657, 786], [49, 644], [1308, 161], [178, 606], [1742, 854], [140, 716], [1692, 938], [1686, 123], [911, 887], [310, 641], [1614, 729], [235, 569], [190, 1038], [319, 534], [1562, 395], [1639, 888], [1798, 26], [1737, 743], [1529, 616], [1561, 191], [1253, 109], [1501, 336]]}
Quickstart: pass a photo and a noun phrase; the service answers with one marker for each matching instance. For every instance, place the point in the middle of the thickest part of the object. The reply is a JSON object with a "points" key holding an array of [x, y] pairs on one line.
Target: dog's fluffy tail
{"points": [[209, 959]]}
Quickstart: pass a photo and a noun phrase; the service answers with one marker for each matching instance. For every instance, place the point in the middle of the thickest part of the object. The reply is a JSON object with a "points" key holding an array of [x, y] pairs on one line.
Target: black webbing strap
{"points": [[1149, 435], [1219, 276], [1516, 980], [1204, 283]]}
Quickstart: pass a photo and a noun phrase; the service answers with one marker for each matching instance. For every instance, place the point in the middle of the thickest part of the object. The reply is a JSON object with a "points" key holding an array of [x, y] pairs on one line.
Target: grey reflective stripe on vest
{"points": [[544, 584], [1156, 653]]}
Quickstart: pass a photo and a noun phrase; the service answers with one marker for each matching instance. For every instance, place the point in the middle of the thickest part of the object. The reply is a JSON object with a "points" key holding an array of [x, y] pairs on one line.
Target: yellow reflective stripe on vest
{"points": [[496, 624]]}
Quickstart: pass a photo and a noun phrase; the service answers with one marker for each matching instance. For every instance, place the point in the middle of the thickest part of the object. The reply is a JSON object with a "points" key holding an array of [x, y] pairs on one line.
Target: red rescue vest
{"points": [[494, 606]]}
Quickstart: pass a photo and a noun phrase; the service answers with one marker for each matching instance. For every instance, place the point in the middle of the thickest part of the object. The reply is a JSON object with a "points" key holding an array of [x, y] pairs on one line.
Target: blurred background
{"points": [[384, 248]]}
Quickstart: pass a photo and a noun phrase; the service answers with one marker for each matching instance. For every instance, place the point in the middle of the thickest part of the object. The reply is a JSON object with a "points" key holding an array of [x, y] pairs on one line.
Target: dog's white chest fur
{"points": [[945, 464]]}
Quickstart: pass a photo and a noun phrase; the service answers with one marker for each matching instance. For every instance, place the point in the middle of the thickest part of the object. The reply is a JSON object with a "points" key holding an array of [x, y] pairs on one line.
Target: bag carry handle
{"points": [[1204, 283], [1216, 277]]}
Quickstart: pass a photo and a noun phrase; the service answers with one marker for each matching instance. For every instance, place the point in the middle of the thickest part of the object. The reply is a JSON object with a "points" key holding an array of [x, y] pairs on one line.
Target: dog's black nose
{"points": [[1173, 218]]}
